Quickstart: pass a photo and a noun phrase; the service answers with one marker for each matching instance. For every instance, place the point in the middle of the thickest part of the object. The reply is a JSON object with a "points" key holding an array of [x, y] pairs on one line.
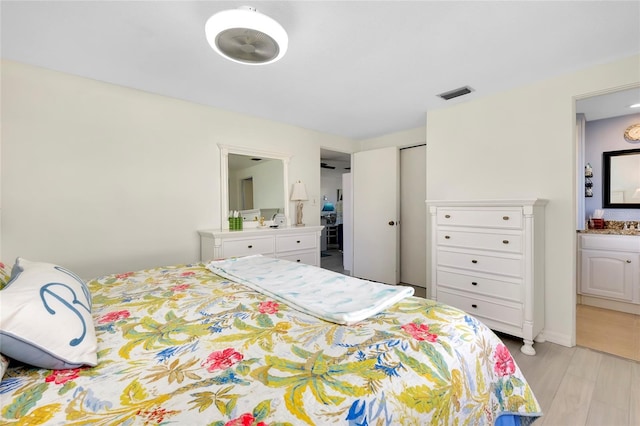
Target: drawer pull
{"points": [[505, 217], [474, 261], [505, 241], [446, 237], [298, 241], [474, 306], [628, 261], [447, 216], [249, 246], [298, 260], [474, 283]]}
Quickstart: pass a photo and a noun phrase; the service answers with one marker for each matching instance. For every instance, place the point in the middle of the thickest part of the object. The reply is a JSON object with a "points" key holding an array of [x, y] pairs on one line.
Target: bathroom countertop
{"points": [[610, 232], [615, 227]]}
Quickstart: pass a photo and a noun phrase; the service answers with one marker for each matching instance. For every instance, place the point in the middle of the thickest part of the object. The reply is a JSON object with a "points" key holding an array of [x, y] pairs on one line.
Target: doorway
{"points": [[334, 166], [610, 325]]}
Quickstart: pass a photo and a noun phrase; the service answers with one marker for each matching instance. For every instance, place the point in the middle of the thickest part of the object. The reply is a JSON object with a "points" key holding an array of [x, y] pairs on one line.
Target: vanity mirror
{"points": [[621, 179], [253, 181]]}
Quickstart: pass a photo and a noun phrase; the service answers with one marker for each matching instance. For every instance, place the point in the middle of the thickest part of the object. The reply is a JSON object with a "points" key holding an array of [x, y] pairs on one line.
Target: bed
{"points": [[184, 345]]}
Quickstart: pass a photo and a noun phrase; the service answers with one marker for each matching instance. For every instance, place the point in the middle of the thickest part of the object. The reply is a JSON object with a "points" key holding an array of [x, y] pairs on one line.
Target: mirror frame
{"points": [[606, 179], [225, 150]]}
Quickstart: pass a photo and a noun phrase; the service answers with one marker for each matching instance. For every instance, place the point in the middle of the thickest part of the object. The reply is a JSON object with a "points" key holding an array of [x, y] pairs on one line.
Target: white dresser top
{"points": [[254, 232], [489, 203]]}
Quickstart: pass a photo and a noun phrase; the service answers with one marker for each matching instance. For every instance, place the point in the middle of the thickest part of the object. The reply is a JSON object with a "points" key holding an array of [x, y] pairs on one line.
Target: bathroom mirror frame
{"points": [[225, 150], [607, 158]]}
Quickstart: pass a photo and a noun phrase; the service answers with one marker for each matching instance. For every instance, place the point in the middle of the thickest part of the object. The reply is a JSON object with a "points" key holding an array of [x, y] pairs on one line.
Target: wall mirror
{"points": [[253, 182], [621, 179]]}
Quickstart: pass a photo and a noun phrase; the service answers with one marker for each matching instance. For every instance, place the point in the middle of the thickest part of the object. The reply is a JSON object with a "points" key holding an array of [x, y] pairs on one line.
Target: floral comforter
{"points": [[181, 345]]}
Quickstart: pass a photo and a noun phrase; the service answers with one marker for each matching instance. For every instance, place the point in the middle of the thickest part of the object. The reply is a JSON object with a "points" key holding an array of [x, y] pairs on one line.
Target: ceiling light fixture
{"points": [[634, 106], [246, 36]]}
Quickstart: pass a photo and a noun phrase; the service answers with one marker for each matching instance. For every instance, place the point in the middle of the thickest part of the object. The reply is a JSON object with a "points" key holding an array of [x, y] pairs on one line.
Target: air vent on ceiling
{"points": [[326, 166], [455, 93]]}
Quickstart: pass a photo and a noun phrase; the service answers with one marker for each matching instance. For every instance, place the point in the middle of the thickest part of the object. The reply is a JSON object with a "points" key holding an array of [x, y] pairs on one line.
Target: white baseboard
{"points": [[630, 308], [558, 338]]}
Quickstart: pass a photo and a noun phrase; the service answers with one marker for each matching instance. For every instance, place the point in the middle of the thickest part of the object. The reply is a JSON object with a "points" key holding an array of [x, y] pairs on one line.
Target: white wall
{"points": [[331, 181], [101, 178], [521, 144]]}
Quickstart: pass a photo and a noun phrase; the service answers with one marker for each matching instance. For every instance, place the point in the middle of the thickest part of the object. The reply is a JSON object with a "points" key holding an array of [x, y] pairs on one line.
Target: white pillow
{"points": [[45, 317]]}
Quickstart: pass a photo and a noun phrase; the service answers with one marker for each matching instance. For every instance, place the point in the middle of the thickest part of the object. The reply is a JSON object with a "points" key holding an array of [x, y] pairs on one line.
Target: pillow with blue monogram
{"points": [[45, 317]]}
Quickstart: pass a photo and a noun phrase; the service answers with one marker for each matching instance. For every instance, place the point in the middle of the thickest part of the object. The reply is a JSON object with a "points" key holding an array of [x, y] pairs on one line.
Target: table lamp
{"points": [[299, 194]]}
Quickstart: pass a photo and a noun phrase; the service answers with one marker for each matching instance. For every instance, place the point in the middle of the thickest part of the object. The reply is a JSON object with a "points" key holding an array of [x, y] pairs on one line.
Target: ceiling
{"points": [[358, 69], [610, 105]]}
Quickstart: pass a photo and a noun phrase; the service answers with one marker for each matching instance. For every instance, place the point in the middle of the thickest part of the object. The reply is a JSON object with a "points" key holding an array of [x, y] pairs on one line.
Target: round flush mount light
{"points": [[246, 36]]}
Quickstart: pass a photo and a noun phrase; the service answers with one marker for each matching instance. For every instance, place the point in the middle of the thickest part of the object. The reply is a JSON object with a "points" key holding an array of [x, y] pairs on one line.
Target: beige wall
{"points": [[520, 144], [101, 178]]}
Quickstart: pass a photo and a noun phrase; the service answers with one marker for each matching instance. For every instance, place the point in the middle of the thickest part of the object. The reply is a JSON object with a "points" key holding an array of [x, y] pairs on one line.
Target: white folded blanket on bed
{"points": [[319, 292]]}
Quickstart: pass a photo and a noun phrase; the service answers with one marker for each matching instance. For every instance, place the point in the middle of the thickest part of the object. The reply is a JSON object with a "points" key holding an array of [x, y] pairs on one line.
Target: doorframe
{"points": [[578, 188], [347, 231]]}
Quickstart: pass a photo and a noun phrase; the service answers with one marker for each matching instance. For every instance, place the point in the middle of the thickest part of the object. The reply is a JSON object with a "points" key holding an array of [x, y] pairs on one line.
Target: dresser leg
{"points": [[527, 348]]}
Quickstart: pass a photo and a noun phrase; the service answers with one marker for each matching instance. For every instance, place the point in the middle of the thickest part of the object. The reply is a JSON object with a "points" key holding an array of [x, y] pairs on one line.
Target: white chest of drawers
{"points": [[298, 244], [487, 259]]}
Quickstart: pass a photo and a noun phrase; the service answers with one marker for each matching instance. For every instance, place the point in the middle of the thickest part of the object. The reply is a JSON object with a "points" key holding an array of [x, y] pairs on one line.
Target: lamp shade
{"points": [[299, 192], [246, 36]]}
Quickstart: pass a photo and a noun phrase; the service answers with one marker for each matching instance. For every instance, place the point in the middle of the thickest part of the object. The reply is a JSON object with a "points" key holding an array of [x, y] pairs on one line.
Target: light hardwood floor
{"points": [[614, 332], [580, 386]]}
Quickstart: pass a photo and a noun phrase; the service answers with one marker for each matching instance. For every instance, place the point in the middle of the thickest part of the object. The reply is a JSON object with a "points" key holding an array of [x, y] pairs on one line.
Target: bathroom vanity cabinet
{"points": [[609, 267]]}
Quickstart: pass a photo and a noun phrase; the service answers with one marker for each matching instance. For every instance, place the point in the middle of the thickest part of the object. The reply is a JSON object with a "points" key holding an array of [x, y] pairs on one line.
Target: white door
{"points": [[413, 216], [376, 211]]}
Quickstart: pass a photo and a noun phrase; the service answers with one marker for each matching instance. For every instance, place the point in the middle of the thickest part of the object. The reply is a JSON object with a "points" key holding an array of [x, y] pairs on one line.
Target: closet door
{"points": [[413, 216], [376, 212]]}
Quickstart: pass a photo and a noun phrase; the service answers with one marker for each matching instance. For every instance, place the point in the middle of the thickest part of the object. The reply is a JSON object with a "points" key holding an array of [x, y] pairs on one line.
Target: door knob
{"points": [[391, 223]]}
